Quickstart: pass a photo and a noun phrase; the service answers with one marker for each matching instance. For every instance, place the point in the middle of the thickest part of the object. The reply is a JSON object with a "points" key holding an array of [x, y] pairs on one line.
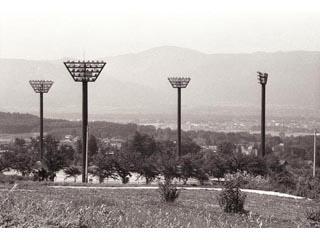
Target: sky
{"points": [[39, 29]]}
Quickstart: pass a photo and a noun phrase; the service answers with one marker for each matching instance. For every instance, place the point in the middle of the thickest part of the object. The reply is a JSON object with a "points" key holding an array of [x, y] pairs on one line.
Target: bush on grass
{"points": [[308, 186], [231, 199], [313, 215], [11, 179], [283, 181], [168, 191]]}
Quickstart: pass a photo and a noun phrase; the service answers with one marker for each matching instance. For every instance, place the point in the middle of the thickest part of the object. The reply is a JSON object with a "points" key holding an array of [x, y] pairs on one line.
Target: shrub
{"points": [[72, 171], [231, 199], [11, 179], [283, 181], [168, 191], [250, 181], [313, 215], [308, 187], [43, 175], [125, 180]]}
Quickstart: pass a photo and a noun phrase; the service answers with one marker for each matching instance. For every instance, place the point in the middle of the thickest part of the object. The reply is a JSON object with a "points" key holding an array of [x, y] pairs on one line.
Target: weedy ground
{"points": [[43, 206]]}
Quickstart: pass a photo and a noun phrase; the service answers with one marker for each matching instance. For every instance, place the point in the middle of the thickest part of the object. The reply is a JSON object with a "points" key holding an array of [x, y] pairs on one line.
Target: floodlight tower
{"points": [[314, 152], [263, 78], [84, 71], [41, 87], [179, 82]]}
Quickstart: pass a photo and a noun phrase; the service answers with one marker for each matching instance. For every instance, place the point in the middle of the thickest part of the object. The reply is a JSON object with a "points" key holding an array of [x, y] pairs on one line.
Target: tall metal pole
{"points": [[84, 129], [41, 127], [179, 82], [84, 71], [314, 152], [263, 118], [87, 156], [41, 87], [179, 122], [263, 78]]}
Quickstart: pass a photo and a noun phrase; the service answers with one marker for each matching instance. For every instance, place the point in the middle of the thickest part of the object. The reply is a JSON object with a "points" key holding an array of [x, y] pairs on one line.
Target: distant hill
{"points": [[137, 83], [14, 123], [17, 122]]}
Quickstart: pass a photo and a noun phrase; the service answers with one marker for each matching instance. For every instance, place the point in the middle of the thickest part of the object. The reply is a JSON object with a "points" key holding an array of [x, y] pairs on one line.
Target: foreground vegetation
{"points": [[47, 207], [151, 159], [36, 204]]}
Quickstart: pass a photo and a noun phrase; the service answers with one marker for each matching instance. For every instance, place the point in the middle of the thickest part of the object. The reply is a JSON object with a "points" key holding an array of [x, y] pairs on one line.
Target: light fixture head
{"points": [[179, 82], [85, 71], [263, 78], [41, 86]]}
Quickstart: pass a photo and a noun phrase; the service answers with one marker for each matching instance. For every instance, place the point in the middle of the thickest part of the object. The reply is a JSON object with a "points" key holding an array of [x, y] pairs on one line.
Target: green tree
{"points": [[92, 146], [124, 164], [199, 170], [19, 142], [79, 146], [103, 167], [20, 157], [256, 165], [24, 163], [185, 168], [167, 161], [3, 164], [146, 167], [215, 164], [54, 157], [72, 171], [142, 148], [68, 154], [142, 144], [189, 146], [226, 148]]}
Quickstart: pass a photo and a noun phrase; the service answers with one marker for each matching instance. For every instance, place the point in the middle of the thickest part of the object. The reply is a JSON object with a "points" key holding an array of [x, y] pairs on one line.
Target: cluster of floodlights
{"points": [[263, 78], [88, 71], [179, 82], [84, 71], [41, 86]]}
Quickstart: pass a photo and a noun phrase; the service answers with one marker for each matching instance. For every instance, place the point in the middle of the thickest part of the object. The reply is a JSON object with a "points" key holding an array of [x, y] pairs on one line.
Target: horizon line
{"points": [[166, 46]]}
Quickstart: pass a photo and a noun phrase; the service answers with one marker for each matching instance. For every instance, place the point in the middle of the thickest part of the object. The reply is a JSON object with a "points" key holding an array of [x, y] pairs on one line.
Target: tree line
{"points": [[142, 154]]}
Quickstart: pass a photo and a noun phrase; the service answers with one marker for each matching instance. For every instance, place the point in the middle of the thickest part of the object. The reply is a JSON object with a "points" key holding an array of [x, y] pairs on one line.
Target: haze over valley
{"points": [[135, 86]]}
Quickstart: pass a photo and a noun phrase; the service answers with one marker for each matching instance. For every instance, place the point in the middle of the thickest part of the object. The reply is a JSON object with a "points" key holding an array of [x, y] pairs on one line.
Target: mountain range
{"points": [[137, 82]]}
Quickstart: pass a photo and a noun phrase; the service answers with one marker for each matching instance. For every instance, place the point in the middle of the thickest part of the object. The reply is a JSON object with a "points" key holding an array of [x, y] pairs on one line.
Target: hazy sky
{"points": [[38, 29]]}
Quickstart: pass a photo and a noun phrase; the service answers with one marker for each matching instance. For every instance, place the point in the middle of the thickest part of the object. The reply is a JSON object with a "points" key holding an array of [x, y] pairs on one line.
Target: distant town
{"points": [[275, 127]]}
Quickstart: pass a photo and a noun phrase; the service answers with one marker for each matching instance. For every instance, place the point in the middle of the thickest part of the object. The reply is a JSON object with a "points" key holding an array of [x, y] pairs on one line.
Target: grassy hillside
{"points": [[47, 207]]}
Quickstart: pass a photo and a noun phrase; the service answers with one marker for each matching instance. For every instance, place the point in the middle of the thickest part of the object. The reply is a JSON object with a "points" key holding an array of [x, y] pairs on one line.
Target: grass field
{"points": [[47, 207]]}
